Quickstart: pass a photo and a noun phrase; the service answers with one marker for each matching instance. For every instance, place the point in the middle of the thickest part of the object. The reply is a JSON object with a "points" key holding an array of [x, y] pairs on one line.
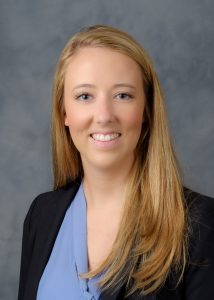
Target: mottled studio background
{"points": [[179, 35]]}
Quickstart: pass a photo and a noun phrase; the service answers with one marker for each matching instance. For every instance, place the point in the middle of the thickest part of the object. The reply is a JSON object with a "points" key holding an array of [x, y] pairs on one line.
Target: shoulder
{"points": [[200, 210], [197, 281], [46, 203], [193, 198]]}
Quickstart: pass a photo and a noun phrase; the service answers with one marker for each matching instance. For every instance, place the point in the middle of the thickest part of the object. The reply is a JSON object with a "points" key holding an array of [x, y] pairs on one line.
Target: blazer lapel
{"points": [[46, 233]]}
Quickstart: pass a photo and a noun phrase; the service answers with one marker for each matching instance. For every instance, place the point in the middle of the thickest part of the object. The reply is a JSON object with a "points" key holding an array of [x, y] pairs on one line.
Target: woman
{"points": [[119, 221]]}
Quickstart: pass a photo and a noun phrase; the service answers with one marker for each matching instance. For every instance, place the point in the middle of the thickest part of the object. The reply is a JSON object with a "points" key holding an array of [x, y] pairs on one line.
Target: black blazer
{"points": [[46, 214]]}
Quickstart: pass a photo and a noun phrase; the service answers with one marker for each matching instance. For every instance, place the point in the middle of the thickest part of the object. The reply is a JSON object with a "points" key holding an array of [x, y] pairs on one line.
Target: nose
{"points": [[104, 111]]}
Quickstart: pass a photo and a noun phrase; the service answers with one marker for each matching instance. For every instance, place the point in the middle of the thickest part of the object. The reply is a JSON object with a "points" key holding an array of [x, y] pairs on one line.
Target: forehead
{"points": [[102, 64]]}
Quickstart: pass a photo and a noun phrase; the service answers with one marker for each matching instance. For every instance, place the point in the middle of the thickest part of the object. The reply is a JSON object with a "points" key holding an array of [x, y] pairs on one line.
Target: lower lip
{"points": [[106, 144]]}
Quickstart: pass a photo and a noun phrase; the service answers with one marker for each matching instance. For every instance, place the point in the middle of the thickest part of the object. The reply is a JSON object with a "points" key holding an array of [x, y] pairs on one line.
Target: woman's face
{"points": [[104, 104]]}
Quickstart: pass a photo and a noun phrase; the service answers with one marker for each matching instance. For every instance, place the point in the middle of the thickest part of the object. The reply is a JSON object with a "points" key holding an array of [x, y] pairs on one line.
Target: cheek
{"points": [[75, 122], [133, 121]]}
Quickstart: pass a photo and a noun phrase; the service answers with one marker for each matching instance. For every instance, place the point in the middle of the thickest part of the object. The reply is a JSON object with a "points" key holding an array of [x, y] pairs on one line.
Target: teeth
{"points": [[105, 137]]}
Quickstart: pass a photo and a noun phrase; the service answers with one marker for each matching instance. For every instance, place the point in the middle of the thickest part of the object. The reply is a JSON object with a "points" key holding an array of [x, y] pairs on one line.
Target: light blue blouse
{"points": [[69, 257]]}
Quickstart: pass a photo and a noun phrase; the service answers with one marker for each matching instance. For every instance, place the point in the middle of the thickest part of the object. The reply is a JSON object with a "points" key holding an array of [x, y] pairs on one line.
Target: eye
{"points": [[124, 96], [83, 97]]}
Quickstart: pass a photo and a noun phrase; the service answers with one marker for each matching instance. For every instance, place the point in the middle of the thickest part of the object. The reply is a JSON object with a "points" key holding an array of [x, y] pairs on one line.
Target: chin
{"points": [[109, 163]]}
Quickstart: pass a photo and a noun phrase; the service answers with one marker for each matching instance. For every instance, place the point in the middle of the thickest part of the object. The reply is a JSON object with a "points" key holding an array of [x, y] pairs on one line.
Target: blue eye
{"points": [[83, 97], [124, 96]]}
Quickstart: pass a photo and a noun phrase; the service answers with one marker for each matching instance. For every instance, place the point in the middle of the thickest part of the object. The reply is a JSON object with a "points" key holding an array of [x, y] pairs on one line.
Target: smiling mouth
{"points": [[105, 137]]}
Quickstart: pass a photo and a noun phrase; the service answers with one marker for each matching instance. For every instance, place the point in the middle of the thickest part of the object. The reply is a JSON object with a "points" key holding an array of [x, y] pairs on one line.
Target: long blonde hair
{"points": [[151, 241]]}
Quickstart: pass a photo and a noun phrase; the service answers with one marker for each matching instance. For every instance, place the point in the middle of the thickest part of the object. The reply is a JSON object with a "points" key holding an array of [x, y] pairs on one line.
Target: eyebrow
{"points": [[115, 85]]}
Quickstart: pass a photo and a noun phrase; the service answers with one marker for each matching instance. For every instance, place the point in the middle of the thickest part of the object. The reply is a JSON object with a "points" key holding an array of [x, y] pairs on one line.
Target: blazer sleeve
{"points": [[26, 252], [199, 278]]}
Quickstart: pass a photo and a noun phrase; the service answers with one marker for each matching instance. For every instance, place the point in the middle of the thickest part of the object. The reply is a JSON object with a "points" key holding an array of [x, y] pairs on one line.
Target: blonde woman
{"points": [[119, 222]]}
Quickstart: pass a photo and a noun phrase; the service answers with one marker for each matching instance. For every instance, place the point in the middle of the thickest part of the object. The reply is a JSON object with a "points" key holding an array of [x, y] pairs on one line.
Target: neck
{"points": [[105, 188]]}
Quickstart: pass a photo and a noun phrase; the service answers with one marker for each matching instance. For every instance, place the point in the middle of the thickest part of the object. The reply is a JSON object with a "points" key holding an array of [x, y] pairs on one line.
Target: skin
{"points": [[104, 107]]}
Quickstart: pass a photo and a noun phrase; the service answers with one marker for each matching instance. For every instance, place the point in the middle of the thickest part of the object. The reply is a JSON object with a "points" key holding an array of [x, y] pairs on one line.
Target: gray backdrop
{"points": [[179, 35]]}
